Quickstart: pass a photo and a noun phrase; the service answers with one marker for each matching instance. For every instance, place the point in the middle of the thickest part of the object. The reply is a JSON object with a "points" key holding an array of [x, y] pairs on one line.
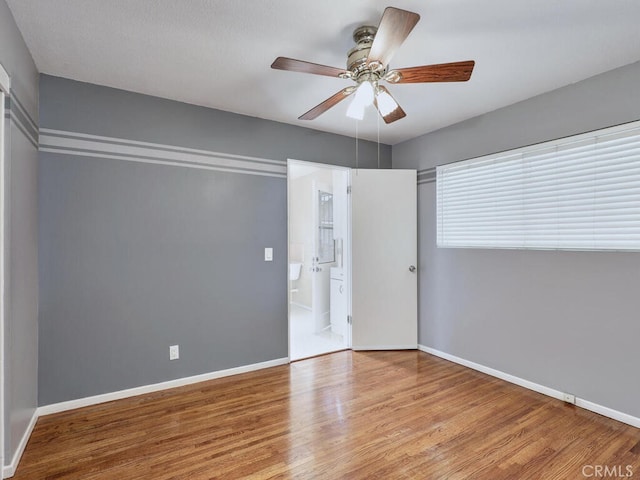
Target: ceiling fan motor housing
{"points": [[357, 56]]}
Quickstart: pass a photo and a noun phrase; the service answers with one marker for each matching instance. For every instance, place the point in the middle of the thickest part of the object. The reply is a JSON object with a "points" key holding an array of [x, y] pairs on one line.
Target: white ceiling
{"points": [[218, 53]]}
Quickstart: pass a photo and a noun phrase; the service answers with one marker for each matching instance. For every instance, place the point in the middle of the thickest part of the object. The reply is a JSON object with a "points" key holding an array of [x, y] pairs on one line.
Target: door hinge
{"points": [[349, 319], [349, 190]]}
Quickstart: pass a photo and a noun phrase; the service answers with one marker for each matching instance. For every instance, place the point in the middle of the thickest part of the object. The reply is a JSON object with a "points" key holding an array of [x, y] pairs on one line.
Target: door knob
{"points": [[412, 268]]}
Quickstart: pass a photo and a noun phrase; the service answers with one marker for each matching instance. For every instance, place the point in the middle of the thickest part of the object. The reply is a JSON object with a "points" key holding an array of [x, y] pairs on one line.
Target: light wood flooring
{"points": [[352, 415]]}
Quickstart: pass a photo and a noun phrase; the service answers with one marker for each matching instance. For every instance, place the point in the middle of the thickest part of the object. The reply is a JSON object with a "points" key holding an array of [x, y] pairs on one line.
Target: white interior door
{"points": [[384, 259]]}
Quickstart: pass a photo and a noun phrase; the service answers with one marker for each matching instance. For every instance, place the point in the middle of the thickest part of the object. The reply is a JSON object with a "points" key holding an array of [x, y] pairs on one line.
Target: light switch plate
{"points": [[174, 352], [268, 254]]}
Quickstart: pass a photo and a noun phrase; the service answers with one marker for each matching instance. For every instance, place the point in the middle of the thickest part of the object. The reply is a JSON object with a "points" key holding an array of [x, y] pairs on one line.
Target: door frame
{"points": [[346, 245], [5, 91]]}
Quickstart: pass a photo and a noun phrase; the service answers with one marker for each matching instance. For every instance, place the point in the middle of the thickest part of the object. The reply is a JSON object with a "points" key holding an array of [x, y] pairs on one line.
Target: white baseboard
{"points": [[10, 470], [580, 402], [383, 347], [608, 412], [131, 392]]}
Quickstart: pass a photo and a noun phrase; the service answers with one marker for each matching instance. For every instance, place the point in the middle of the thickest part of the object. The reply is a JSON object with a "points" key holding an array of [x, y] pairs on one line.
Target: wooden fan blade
{"points": [[332, 101], [394, 28], [394, 115], [290, 64], [443, 72]]}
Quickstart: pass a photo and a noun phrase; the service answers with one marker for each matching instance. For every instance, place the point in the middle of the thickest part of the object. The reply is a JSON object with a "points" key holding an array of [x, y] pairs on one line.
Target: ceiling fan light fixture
{"points": [[362, 99], [364, 94], [386, 103], [355, 111]]}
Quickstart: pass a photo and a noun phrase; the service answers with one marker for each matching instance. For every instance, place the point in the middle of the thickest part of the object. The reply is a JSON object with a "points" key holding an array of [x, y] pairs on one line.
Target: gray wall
{"points": [[135, 257], [21, 255], [87, 108], [566, 320]]}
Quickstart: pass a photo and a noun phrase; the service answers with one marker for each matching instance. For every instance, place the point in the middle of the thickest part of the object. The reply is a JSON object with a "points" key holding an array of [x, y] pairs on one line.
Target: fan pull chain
{"points": [[356, 147], [378, 125]]}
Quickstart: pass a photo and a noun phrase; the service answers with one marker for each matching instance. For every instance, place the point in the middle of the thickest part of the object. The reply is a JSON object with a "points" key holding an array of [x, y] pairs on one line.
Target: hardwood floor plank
{"points": [[353, 415]]}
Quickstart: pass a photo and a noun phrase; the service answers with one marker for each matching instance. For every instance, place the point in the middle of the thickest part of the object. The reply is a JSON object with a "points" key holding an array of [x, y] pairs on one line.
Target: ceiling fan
{"points": [[368, 64]]}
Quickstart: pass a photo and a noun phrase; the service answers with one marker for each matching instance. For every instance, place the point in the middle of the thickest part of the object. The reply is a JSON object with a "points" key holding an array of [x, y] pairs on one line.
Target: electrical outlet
{"points": [[567, 397], [174, 352]]}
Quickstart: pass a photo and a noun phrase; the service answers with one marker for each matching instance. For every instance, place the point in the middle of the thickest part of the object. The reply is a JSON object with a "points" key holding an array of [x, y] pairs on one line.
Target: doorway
{"points": [[319, 261]]}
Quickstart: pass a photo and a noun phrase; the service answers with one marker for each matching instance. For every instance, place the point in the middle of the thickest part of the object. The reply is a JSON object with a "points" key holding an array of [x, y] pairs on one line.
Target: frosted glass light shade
{"points": [[362, 99], [386, 103]]}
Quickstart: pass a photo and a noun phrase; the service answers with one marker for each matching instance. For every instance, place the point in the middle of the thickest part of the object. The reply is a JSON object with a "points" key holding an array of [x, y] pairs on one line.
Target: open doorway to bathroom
{"points": [[319, 263]]}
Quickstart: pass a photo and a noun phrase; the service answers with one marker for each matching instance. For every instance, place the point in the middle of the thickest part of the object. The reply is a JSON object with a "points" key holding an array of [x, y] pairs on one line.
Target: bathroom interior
{"points": [[318, 259]]}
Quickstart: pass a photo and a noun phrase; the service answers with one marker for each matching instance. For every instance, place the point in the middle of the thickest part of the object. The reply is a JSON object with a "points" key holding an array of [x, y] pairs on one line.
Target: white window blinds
{"points": [[577, 193]]}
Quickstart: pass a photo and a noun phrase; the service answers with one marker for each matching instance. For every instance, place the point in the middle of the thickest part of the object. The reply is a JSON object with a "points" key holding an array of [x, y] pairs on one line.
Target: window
{"points": [[576, 193]]}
